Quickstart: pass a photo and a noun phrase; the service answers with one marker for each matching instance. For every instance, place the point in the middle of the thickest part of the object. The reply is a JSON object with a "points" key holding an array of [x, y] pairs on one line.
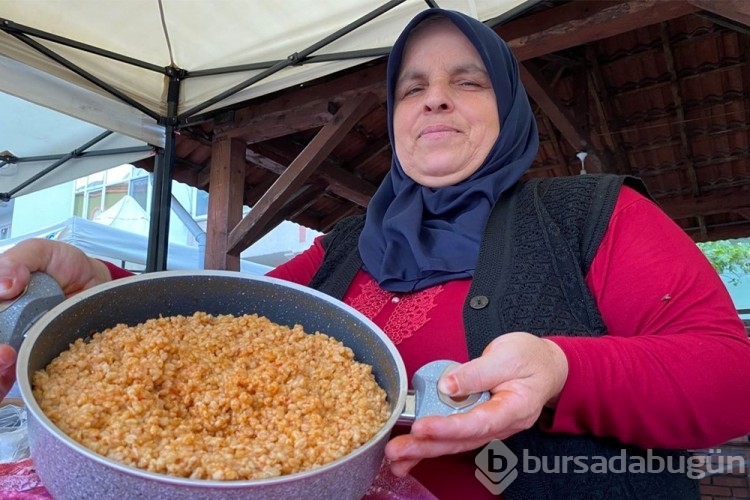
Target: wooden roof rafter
{"points": [[571, 130], [256, 223]]}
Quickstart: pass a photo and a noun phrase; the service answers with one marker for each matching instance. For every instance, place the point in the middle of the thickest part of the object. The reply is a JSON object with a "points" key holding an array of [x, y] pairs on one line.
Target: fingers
{"points": [[504, 415], [502, 360], [13, 279], [407, 451], [17, 264], [73, 270], [498, 418], [7, 369], [512, 358], [522, 372], [401, 468]]}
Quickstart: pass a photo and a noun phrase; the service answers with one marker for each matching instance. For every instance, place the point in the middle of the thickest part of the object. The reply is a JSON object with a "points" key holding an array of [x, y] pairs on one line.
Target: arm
{"points": [[671, 372], [115, 271], [302, 267]]}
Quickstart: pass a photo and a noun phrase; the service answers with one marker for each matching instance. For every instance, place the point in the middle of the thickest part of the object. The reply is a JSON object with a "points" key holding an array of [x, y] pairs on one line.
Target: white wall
{"points": [[6, 215], [42, 208]]}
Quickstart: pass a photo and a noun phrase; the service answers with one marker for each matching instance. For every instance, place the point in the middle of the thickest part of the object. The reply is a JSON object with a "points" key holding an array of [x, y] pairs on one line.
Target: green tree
{"points": [[730, 258]]}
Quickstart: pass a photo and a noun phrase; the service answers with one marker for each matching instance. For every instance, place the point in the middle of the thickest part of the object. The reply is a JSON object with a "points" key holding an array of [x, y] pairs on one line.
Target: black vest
{"points": [[538, 245]]}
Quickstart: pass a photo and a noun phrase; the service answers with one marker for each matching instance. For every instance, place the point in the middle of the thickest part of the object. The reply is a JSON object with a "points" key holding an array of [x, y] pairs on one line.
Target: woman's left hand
{"points": [[523, 372]]}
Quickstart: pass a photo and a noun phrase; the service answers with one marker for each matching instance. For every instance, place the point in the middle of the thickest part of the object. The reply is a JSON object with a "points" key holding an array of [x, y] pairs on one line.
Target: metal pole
{"points": [[161, 197]]}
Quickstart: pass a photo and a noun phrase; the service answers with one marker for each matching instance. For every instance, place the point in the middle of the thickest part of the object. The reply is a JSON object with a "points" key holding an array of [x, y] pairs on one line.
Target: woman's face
{"points": [[445, 118]]}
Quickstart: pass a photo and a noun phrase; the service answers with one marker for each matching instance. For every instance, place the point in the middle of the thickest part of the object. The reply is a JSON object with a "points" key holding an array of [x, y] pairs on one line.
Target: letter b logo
{"points": [[496, 466]]}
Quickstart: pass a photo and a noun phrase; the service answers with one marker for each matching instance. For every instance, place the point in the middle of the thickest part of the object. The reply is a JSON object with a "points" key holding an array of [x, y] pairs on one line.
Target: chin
{"points": [[439, 171], [438, 181]]}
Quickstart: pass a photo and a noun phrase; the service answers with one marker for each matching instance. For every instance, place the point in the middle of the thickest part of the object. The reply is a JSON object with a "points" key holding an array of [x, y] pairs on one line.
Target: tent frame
{"points": [[164, 166]]}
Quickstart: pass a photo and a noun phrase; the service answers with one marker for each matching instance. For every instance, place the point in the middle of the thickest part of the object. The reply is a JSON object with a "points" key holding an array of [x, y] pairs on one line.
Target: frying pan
{"points": [[69, 470]]}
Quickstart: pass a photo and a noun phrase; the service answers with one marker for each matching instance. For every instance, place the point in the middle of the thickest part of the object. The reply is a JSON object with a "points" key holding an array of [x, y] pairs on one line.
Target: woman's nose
{"points": [[437, 98]]}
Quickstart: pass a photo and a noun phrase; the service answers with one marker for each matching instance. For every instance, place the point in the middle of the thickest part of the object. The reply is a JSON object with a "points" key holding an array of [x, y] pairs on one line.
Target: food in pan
{"points": [[213, 397]]}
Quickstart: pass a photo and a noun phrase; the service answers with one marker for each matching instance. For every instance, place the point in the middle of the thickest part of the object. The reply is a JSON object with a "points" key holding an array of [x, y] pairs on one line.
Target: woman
{"points": [[586, 311]]}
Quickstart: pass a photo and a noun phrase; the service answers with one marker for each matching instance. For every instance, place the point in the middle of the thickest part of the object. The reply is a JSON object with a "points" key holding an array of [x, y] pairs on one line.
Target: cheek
{"points": [[400, 131], [400, 121], [490, 130]]}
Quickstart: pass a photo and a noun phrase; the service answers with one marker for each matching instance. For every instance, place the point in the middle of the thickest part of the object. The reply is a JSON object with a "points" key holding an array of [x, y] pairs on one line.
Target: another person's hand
{"points": [[73, 270], [7, 369], [69, 266], [523, 372]]}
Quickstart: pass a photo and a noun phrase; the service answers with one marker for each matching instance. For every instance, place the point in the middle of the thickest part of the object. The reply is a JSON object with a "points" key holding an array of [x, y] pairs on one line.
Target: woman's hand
{"points": [[523, 372], [69, 266]]}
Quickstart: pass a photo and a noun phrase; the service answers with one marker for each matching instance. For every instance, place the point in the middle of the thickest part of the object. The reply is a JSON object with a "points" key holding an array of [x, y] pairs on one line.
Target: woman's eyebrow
{"points": [[462, 69], [409, 75], [470, 68]]}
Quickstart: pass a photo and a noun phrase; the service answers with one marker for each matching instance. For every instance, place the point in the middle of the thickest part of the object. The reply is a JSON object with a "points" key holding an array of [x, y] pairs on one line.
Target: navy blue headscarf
{"points": [[415, 236]]}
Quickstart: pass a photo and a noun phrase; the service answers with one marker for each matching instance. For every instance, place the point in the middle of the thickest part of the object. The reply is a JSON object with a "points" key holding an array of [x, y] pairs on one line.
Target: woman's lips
{"points": [[436, 131]]}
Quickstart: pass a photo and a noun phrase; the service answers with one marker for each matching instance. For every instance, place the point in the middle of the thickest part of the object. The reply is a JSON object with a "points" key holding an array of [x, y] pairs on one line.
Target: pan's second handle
{"points": [[17, 315], [426, 399]]}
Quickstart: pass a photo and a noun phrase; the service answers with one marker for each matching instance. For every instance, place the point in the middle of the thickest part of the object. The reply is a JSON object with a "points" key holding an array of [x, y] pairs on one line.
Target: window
{"points": [[114, 193], [93, 203], [102, 190], [78, 205], [201, 203], [139, 191]]}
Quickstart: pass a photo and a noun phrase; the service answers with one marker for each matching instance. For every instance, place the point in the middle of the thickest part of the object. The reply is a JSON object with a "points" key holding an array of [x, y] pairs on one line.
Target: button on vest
{"points": [[479, 302]]}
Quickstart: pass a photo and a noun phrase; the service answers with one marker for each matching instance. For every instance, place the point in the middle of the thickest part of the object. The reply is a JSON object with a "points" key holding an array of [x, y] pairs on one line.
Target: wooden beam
{"points": [[303, 109], [551, 18], [734, 10], [590, 26], [269, 126], [556, 145], [297, 203], [580, 98], [720, 233], [560, 116], [706, 205], [255, 223], [340, 182], [685, 149], [328, 222], [225, 203], [375, 147], [609, 117]]}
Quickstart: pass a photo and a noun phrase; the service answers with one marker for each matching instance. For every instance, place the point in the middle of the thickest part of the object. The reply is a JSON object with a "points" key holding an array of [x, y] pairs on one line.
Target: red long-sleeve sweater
{"points": [[670, 373]]}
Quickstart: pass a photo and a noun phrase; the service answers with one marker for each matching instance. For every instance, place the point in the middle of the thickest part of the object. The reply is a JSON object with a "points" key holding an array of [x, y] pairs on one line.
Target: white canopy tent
{"points": [[35, 139], [144, 68], [226, 48]]}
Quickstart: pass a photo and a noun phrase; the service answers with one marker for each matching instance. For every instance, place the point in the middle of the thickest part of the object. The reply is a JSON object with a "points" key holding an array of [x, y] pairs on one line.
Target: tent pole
{"points": [[161, 197]]}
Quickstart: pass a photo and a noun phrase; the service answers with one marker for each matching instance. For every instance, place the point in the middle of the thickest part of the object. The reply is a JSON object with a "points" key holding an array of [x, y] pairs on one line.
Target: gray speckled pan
{"points": [[69, 470]]}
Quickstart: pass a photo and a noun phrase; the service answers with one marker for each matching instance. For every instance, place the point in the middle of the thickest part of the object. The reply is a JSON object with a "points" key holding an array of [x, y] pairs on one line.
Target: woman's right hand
{"points": [[73, 270]]}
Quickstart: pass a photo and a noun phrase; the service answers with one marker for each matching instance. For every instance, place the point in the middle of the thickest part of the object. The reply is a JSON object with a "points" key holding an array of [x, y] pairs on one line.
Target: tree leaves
{"points": [[730, 258]]}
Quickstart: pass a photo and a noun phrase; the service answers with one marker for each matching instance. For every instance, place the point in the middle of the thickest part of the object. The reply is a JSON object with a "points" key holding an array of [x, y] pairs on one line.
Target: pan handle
{"points": [[17, 315], [426, 399]]}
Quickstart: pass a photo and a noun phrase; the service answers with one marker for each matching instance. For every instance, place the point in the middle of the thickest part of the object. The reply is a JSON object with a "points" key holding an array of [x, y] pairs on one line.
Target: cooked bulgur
{"points": [[213, 397]]}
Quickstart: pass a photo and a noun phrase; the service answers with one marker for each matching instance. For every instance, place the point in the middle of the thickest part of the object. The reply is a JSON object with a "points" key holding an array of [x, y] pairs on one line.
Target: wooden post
{"points": [[226, 184]]}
